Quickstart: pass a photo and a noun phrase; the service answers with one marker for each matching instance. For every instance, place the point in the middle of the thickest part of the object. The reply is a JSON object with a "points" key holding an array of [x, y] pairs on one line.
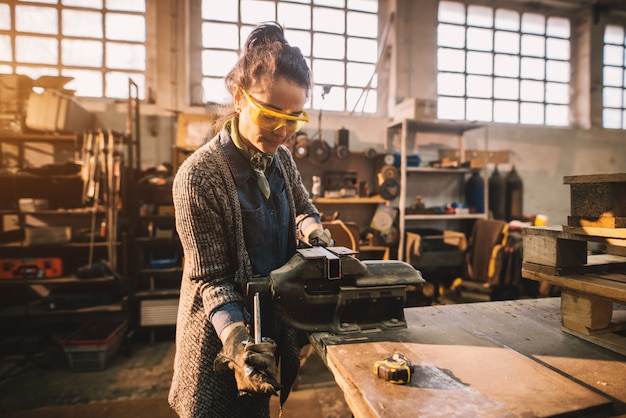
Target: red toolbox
{"points": [[31, 268]]}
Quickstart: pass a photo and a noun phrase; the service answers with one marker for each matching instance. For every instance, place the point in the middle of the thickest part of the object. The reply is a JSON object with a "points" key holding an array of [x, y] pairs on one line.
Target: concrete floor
{"points": [[38, 383]]}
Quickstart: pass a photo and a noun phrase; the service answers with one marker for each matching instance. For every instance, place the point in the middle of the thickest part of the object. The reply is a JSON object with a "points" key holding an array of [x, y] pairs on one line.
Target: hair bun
{"points": [[265, 33]]}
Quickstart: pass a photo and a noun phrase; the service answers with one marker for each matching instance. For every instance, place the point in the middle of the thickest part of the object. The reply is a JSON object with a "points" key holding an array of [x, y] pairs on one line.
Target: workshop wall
{"points": [[542, 155]]}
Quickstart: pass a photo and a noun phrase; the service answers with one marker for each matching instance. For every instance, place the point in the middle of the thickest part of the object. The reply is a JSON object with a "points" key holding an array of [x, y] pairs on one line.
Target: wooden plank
{"points": [[557, 231], [595, 178], [479, 379], [596, 263], [598, 199], [598, 222], [619, 233], [585, 313], [552, 251], [586, 284]]}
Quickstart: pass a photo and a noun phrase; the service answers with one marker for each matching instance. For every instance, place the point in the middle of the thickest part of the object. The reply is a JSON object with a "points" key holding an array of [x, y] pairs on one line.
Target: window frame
{"points": [[316, 101]]}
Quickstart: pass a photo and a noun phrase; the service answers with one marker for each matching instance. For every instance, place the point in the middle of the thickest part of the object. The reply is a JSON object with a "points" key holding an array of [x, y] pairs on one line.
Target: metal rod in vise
{"points": [[257, 318]]}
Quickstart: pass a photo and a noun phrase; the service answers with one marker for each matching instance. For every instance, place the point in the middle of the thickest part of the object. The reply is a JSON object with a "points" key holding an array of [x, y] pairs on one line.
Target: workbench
{"points": [[505, 359]]}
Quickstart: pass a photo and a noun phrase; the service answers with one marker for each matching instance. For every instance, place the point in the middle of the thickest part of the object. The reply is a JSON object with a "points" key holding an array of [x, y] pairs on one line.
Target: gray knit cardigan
{"points": [[216, 269]]}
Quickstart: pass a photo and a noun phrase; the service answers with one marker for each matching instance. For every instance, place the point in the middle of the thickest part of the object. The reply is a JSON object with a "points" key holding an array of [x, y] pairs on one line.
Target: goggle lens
{"points": [[272, 120]]}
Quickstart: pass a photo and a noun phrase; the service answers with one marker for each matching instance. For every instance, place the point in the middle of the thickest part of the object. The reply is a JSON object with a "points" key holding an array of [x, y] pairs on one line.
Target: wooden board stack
{"points": [[593, 287]]}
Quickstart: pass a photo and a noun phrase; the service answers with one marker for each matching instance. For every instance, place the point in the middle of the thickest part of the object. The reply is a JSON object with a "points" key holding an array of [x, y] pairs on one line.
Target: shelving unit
{"points": [[437, 184], [20, 142]]}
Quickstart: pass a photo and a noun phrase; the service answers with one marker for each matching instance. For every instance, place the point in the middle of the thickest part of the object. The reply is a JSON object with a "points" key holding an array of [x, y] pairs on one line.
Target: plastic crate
{"points": [[92, 345]]}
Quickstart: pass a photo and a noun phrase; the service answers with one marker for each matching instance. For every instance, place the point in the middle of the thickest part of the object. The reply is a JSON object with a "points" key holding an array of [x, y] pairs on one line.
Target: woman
{"points": [[240, 209]]}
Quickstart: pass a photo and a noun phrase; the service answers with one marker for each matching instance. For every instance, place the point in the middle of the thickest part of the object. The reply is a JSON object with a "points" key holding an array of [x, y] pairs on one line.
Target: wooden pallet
{"points": [[593, 287]]}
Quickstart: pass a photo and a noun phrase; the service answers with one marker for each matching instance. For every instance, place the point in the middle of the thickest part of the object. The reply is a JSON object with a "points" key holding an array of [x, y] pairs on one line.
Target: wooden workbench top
{"points": [[481, 359]]}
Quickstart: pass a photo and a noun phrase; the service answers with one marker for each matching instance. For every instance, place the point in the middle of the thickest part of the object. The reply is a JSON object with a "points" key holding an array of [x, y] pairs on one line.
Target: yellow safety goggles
{"points": [[272, 120]]}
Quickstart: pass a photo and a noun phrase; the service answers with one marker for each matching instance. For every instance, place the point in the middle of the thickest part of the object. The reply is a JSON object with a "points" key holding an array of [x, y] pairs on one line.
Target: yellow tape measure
{"points": [[394, 369]]}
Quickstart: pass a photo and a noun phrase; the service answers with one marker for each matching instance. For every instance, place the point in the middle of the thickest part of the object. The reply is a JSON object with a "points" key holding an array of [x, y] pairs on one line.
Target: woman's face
{"points": [[283, 97]]}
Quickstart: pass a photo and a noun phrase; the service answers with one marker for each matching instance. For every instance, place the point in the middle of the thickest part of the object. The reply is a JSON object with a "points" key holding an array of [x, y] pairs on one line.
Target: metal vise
{"points": [[328, 289]]}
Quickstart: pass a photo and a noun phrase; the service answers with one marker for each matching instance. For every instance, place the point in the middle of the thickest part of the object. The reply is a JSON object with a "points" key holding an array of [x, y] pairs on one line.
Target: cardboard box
{"points": [[53, 111], [414, 108], [47, 235]]}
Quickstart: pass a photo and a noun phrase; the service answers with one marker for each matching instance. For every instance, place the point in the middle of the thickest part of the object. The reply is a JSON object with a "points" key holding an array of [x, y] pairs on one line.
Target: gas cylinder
{"points": [[475, 193], [497, 197], [514, 195]]}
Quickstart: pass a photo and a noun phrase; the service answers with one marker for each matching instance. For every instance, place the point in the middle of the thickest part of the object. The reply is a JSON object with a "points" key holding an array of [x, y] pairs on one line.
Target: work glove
{"points": [[320, 238], [254, 365]]}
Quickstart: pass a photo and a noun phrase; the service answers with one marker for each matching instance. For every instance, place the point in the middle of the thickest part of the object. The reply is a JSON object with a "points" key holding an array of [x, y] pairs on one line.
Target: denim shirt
{"points": [[265, 221]]}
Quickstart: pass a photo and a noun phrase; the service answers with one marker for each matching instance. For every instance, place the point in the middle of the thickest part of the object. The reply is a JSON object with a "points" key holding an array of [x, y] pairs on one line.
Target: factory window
{"points": [[614, 78], [337, 37], [98, 43], [502, 65]]}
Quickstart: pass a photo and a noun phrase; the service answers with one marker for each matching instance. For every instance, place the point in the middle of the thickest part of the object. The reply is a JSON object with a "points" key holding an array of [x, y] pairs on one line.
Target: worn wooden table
{"points": [[505, 359]]}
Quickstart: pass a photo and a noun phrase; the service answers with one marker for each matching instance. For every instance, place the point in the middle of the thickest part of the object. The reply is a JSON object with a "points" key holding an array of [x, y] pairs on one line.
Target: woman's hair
{"points": [[267, 56]]}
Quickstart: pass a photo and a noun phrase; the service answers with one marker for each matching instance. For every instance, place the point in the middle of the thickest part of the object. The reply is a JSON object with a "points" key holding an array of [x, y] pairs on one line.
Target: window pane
{"points": [[36, 50], [480, 16], [225, 11], [611, 118], [329, 20], [507, 19], [479, 109], [532, 113], [125, 56], [506, 88], [450, 59], [451, 12], [533, 46], [613, 55], [362, 24], [479, 86], [127, 6], [220, 35], [81, 53], [294, 15], [452, 36], [359, 74], [255, 11], [81, 23], [218, 63], [507, 42], [533, 23], [215, 91], [335, 100], [86, 83], [36, 19], [533, 68], [93, 4], [117, 84], [6, 52], [559, 27], [363, 5], [506, 65], [505, 111], [557, 93], [557, 115], [124, 27], [557, 48], [451, 84], [328, 72], [480, 39], [368, 100], [611, 97], [558, 71], [479, 62], [328, 46], [451, 108], [5, 17], [532, 91], [300, 39], [332, 3], [614, 35], [364, 50]]}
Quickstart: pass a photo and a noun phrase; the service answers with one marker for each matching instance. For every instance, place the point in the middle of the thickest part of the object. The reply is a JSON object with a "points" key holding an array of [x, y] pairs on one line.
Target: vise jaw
{"points": [[329, 289]]}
